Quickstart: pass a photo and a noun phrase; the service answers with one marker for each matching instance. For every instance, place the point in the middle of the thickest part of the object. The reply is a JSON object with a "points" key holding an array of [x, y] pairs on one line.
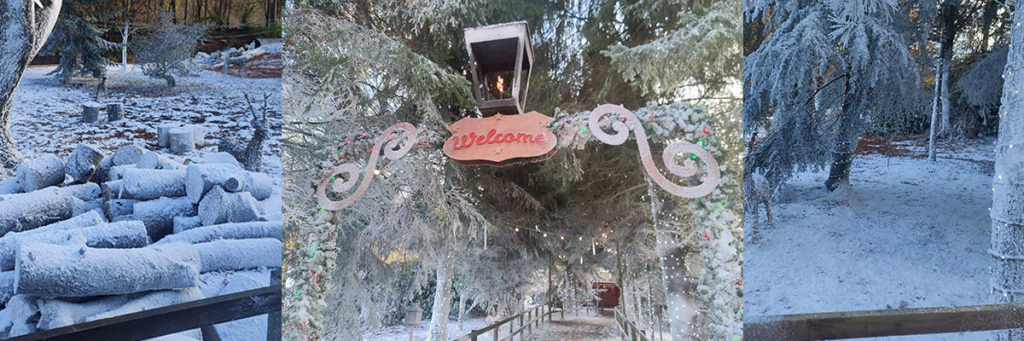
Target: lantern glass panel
{"points": [[499, 85]]}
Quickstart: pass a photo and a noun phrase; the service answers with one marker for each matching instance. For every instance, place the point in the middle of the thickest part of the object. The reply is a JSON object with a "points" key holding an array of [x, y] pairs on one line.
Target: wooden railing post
{"points": [[529, 322], [540, 316], [521, 332], [274, 318]]}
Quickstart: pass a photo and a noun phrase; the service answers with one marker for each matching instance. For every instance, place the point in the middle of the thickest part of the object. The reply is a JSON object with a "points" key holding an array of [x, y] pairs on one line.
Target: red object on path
{"points": [[608, 293]]}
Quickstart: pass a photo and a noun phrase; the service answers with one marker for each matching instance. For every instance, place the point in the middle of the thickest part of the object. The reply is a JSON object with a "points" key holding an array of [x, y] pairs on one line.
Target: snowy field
{"points": [[591, 327], [45, 114], [912, 234]]}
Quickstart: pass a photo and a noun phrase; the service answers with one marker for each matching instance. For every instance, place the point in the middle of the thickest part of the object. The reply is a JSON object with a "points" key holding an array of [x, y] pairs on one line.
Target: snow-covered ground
{"points": [[401, 332], [912, 233], [586, 326], [45, 114]]}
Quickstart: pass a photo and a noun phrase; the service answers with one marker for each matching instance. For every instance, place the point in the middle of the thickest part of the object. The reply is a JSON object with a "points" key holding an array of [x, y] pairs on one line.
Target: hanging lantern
{"points": [[500, 57]]}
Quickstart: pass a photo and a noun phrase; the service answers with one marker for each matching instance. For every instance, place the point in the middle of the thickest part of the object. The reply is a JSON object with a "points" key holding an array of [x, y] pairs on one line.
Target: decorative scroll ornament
{"points": [[392, 150], [688, 168]]}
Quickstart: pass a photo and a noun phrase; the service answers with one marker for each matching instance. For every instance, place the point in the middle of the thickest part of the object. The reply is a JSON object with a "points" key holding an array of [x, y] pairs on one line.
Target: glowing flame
{"points": [[501, 85]]}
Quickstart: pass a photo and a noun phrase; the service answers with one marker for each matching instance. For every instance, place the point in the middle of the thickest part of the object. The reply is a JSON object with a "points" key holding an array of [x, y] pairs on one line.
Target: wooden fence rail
{"points": [[527, 321], [875, 323], [171, 319], [628, 329]]}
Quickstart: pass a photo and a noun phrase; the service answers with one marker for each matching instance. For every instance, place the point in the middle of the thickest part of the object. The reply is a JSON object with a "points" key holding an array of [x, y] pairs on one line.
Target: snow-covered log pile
{"points": [[96, 236]]}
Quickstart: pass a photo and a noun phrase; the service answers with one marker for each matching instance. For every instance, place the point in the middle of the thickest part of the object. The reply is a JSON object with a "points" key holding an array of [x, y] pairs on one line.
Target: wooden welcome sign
{"points": [[501, 139]]}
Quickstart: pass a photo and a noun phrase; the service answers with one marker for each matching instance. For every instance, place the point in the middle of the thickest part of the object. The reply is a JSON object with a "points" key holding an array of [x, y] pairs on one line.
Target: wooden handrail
{"points": [[893, 322], [496, 327], [628, 329], [170, 319]]}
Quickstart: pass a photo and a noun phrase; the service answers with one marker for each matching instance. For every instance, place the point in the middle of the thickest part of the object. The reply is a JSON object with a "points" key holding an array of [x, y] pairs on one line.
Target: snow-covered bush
{"points": [[166, 51]]}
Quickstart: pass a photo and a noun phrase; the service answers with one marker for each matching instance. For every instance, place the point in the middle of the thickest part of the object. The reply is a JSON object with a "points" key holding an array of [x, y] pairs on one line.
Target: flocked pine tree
{"points": [[1008, 182], [821, 70], [79, 42]]}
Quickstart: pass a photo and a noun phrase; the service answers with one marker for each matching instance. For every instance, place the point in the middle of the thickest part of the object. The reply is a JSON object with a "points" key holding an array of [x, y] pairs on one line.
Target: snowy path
{"points": [[912, 234], [584, 327]]}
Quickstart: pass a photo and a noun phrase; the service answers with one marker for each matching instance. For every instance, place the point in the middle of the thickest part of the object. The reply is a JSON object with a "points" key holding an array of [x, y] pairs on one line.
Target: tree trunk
{"points": [[462, 306], [26, 28], [936, 102], [124, 47], [442, 297], [950, 12], [845, 143], [1008, 183], [988, 16], [170, 81]]}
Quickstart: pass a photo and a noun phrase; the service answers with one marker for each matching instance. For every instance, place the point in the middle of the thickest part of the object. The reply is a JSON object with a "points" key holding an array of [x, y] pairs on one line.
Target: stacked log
{"points": [[90, 112], [83, 162], [40, 172], [73, 270], [114, 112], [107, 234], [27, 211]]}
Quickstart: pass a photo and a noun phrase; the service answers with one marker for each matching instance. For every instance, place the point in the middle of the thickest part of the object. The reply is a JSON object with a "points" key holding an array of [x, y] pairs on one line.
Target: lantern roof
{"points": [[494, 36]]}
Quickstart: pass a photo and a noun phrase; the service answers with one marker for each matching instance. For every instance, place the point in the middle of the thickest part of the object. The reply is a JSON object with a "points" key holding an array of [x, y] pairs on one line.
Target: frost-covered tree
{"points": [[817, 72], [979, 90], [1007, 212], [79, 42], [166, 50], [25, 25]]}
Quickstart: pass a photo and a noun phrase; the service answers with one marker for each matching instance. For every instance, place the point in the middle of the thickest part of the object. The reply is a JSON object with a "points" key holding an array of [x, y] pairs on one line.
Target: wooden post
{"points": [[529, 321], [274, 318], [497, 330], [618, 267]]}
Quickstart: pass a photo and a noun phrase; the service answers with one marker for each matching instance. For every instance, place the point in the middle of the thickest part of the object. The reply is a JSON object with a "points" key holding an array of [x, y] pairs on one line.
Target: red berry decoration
{"points": [[707, 131], [707, 236]]}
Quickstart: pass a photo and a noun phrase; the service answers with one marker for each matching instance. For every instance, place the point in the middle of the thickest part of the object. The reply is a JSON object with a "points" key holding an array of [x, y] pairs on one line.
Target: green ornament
{"points": [[298, 291], [583, 130], [694, 156]]}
